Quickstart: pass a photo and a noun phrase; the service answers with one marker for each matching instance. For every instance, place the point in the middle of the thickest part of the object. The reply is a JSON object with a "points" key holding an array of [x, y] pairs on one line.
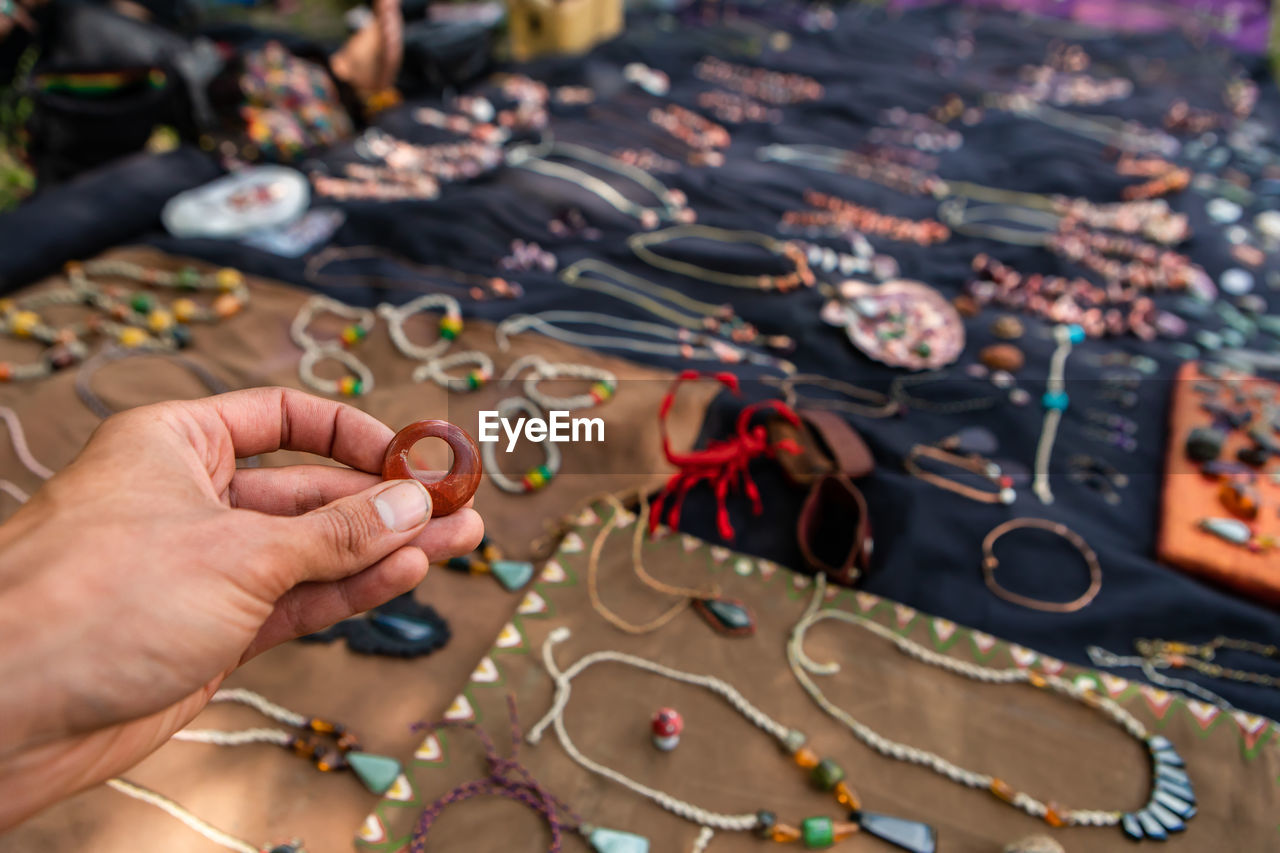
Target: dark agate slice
{"points": [[910, 835], [726, 616], [449, 493], [401, 628]]}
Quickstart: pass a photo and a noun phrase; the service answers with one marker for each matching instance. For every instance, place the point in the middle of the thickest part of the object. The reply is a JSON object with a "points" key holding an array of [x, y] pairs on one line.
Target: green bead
{"points": [[473, 380], [448, 334], [545, 472], [818, 833], [826, 774], [357, 388], [141, 303], [924, 350], [188, 278]]}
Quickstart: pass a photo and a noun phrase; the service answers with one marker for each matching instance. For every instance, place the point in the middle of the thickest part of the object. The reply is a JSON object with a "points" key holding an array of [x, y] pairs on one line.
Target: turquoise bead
{"points": [[377, 772], [1076, 333], [1056, 400], [613, 841], [512, 574]]}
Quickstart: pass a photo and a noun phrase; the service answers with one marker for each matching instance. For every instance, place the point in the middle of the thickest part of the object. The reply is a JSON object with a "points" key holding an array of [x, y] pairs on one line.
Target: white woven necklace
{"points": [[1172, 802]]}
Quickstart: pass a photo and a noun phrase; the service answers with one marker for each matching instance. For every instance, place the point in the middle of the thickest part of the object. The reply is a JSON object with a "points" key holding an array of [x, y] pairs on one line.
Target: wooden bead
{"points": [[806, 758], [1002, 357], [449, 493]]}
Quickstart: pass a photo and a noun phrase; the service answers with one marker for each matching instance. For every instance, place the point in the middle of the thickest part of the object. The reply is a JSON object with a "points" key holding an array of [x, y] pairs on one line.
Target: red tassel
{"points": [[722, 462]]}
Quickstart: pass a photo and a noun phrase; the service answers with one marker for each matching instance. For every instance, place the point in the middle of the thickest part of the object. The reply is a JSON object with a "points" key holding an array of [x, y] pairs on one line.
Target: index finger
{"points": [[263, 420]]}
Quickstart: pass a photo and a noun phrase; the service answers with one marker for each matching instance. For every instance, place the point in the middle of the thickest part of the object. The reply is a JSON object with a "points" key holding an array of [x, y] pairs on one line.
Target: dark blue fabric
{"points": [[927, 550]]}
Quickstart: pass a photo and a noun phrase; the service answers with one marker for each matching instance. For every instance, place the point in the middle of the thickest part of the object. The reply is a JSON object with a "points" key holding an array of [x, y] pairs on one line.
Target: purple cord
{"points": [[507, 778]]}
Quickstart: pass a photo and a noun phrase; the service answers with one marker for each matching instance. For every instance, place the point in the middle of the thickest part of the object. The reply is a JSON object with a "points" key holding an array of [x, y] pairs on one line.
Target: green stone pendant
{"points": [[613, 841], [377, 772], [512, 574]]}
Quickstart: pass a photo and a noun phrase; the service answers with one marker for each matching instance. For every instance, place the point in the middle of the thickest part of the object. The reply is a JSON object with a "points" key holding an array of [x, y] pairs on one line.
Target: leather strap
{"points": [[828, 445], [834, 501]]}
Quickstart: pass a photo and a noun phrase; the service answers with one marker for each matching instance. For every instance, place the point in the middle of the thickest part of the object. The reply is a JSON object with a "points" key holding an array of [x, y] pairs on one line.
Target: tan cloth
{"points": [[259, 792], [1051, 747]]}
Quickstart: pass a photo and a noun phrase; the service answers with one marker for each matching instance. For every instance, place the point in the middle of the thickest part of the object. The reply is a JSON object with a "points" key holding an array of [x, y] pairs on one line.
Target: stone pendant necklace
{"points": [[813, 833], [725, 615], [1172, 802]]}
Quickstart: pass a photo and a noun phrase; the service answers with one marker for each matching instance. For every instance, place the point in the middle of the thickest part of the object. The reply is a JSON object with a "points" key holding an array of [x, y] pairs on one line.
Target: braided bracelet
{"points": [[989, 563], [603, 388], [360, 380], [450, 324], [437, 370], [535, 478]]}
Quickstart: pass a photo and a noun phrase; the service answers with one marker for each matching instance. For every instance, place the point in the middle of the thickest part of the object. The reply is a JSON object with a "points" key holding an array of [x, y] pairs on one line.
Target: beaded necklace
{"points": [[825, 775], [1149, 267], [737, 109], [1054, 401], [897, 176], [836, 215], [1200, 657], [670, 341], [773, 87], [84, 377], [177, 810], [642, 245], [725, 616], [672, 203], [658, 300], [133, 319], [460, 284], [877, 405], [1172, 802], [705, 139], [375, 772]]}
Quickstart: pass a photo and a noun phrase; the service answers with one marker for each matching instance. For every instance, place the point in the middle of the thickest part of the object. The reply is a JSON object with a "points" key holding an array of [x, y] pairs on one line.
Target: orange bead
{"points": [[226, 305], [1054, 817], [846, 797], [1002, 789], [1037, 680], [6, 371], [806, 758], [841, 831], [785, 833]]}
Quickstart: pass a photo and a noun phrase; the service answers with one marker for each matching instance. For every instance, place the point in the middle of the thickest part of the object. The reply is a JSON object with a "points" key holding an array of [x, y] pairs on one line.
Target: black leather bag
{"points": [[105, 82]]}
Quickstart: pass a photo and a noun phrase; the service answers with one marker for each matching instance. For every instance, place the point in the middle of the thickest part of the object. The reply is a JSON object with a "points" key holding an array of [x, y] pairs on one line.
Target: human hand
{"points": [[150, 568]]}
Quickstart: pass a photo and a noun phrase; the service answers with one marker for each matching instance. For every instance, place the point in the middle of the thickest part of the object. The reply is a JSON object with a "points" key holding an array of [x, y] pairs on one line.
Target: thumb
{"points": [[350, 534]]}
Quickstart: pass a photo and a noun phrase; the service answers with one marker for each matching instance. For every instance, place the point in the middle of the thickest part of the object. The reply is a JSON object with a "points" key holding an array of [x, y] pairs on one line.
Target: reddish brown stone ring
{"points": [[454, 489]]}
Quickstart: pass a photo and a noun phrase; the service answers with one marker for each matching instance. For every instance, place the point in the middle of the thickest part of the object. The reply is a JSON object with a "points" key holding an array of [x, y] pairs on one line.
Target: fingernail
{"points": [[403, 506]]}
